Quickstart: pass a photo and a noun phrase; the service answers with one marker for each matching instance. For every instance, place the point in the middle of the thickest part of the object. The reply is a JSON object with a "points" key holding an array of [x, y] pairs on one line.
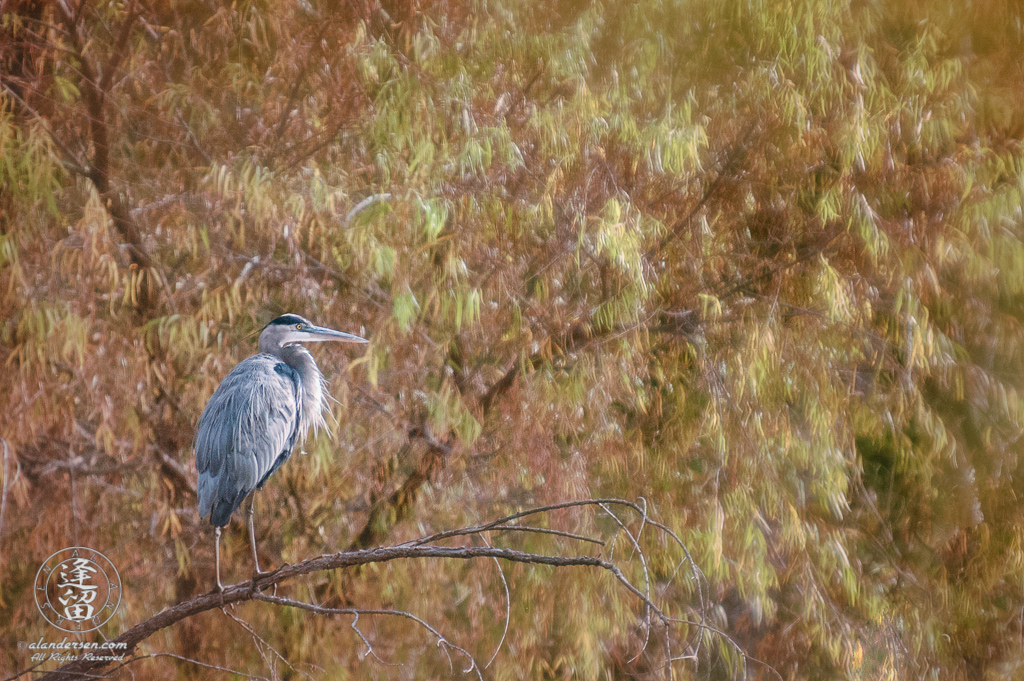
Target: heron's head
{"points": [[290, 329]]}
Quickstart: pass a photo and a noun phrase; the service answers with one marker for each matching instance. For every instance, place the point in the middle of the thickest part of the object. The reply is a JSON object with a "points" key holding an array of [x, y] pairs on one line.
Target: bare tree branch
{"points": [[94, 87], [419, 549], [250, 590]]}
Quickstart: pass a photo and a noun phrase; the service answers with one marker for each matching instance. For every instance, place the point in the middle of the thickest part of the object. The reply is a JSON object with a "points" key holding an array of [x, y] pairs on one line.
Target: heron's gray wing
{"points": [[249, 423]]}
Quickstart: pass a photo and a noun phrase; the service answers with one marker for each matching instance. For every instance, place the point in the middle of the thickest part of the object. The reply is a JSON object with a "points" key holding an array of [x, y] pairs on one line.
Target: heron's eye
{"points": [[299, 327]]}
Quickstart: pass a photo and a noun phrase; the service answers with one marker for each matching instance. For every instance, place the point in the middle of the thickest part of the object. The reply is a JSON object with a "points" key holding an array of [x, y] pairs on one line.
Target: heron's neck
{"points": [[311, 414]]}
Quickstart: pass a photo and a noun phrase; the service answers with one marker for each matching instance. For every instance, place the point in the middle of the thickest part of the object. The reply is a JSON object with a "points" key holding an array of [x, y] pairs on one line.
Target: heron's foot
{"points": [[256, 574], [219, 589]]}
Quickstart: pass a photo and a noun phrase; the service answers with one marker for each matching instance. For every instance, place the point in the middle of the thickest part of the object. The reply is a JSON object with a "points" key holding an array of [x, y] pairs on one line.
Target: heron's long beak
{"points": [[317, 334]]}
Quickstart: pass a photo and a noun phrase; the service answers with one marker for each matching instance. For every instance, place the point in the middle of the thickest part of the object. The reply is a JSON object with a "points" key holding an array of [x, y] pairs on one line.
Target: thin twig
{"points": [[728, 639], [508, 610], [23, 672], [198, 663], [369, 648], [257, 639], [647, 578], [695, 569], [321, 610], [545, 530], [363, 205], [515, 516], [3, 496], [263, 642]]}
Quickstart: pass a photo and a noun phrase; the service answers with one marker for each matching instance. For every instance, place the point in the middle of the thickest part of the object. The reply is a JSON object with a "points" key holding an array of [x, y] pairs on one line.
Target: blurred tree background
{"points": [[760, 263]]}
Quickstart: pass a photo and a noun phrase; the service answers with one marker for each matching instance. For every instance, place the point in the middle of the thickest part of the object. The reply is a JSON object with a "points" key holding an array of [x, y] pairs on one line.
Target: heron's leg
{"points": [[216, 553], [252, 540]]}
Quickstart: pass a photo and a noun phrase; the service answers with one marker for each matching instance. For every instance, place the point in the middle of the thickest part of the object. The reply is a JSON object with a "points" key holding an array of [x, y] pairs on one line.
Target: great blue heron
{"points": [[255, 417]]}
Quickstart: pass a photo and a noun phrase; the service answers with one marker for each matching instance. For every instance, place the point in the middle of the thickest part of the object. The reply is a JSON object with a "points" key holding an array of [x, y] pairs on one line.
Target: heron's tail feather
{"points": [[206, 488], [221, 514]]}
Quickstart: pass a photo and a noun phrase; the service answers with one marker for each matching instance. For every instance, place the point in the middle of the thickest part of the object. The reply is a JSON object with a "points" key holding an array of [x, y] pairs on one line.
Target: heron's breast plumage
{"points": [[313, 387]]}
